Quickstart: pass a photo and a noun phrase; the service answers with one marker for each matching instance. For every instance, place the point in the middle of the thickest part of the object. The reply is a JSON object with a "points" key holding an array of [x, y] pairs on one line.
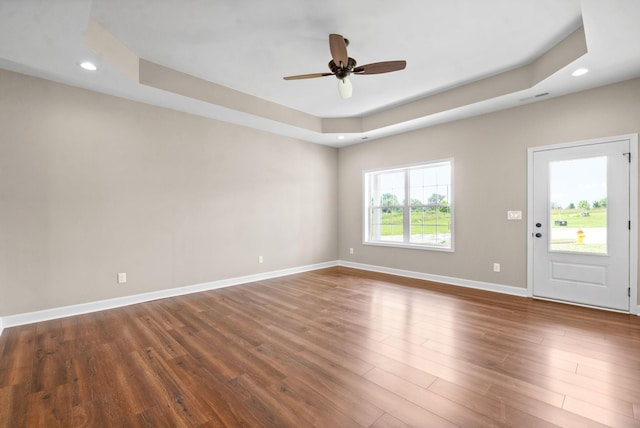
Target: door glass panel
{"points": [[578, 205]]}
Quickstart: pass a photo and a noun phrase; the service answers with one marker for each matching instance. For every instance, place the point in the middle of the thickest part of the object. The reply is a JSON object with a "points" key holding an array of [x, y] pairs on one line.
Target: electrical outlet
{"points": [[122, 277], [260, 259], [496, 267], [350, 250]]}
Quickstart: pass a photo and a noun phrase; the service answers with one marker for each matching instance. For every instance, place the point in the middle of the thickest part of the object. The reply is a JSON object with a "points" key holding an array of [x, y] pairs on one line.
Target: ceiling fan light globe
{"points": [[344, 88]]}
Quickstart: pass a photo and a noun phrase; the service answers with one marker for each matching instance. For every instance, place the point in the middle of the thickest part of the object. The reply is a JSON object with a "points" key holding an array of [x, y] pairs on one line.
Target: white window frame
{"points": [[366, 217]]}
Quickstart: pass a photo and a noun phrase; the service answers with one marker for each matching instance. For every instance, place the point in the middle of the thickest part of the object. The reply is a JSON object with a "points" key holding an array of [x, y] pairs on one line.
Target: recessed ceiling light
{"points": [[340, 137], [88, 66], [580, 72]]}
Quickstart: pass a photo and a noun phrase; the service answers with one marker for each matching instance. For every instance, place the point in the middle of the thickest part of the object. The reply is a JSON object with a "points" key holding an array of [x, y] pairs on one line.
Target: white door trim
{"points": [[633, 206]]}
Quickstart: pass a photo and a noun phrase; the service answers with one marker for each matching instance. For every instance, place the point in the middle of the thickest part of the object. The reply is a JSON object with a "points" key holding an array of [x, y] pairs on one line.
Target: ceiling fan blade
{"points": [[380, 67], [338, 48], [307, 76]]}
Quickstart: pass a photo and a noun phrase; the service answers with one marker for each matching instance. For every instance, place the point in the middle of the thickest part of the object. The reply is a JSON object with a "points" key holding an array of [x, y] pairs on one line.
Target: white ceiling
{"points": [[250, 45]]}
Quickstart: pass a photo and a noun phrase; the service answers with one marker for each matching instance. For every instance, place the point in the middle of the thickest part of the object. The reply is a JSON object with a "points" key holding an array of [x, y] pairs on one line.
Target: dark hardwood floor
{"points": [[331, 348]]}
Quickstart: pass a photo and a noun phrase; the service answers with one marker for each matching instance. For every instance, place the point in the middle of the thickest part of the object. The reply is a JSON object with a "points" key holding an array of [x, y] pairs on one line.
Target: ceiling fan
{"points": [[342, 66]]}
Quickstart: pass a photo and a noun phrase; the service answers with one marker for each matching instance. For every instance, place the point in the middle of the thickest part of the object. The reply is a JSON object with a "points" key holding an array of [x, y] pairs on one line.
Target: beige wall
{"points": [[92, 185], [490, 177]]}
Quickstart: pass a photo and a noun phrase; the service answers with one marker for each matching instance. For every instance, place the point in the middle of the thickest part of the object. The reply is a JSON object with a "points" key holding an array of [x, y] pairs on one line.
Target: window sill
{"points": [[408, 246]]}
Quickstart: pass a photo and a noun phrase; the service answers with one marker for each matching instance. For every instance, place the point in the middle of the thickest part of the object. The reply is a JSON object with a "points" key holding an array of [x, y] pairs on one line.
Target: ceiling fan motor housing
{"points": [[342, 72]]}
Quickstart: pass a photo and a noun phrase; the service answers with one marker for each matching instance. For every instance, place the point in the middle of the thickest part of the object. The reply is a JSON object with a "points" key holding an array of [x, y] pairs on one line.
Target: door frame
{"points": [[634, 308]]}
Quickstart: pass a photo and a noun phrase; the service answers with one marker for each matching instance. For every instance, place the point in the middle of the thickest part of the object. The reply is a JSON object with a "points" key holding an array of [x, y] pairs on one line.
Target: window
{"points": [[410, 206]]}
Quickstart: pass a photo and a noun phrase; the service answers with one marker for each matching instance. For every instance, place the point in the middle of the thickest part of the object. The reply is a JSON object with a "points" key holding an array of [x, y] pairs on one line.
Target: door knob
{"points": [[538, 235], [538, 224]]}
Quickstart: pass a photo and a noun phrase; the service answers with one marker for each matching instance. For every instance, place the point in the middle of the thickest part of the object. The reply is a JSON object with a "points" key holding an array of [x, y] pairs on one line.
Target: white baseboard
{"points": [[504, 289], [84, 308], [487, 286], [101, 305]]}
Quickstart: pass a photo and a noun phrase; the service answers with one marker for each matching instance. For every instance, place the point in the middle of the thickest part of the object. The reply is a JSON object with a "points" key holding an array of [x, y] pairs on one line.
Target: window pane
{"points": [[430, 185], [578, 205], [431, 225], [389, 189], [387, 224]]}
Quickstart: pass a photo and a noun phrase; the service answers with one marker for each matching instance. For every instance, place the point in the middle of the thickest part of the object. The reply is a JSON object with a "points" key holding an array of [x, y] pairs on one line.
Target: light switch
{"points": [[514, 215]]}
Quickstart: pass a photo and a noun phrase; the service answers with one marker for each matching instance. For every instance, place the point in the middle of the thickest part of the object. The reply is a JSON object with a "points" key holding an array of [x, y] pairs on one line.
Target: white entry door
{"points": [[581, 224]]}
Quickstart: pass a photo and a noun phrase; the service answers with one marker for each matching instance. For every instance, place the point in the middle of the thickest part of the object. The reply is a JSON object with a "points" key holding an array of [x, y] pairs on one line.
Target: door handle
{"points": [[538, 224], [538, 235]]}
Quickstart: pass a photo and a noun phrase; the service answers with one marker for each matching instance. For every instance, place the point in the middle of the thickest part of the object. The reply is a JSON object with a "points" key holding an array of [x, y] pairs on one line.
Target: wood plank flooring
{"points": [[331, 348]]}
